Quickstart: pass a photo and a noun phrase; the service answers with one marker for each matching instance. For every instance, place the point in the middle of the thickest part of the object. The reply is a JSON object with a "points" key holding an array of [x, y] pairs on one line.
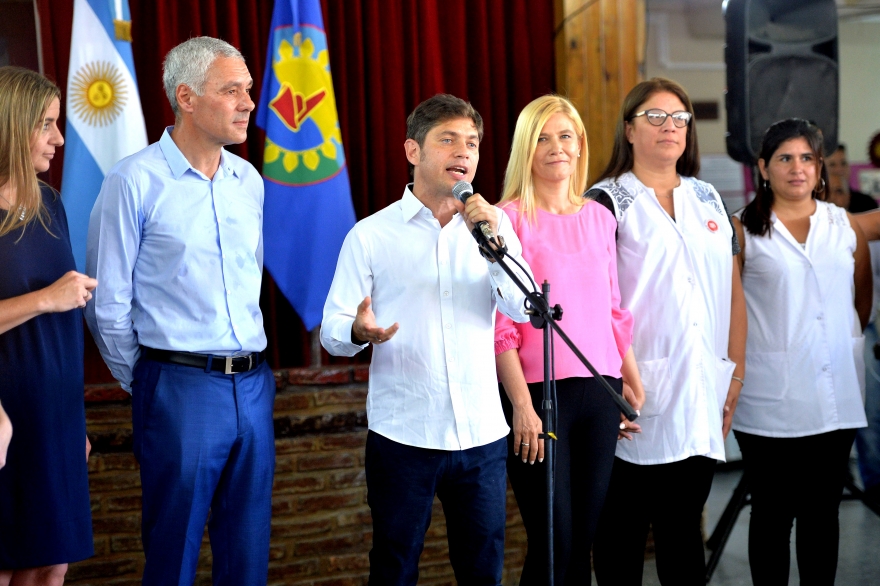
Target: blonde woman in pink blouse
{"points": [[570, 242]]}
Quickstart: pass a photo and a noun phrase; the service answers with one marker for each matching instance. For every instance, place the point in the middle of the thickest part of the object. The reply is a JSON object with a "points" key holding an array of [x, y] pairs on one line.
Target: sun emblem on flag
{"points": [[304, 143], [98, 93]]}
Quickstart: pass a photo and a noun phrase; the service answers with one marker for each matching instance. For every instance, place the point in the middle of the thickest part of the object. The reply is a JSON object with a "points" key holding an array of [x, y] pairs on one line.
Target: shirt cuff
{"points": [[336, 338], [351, 341]]}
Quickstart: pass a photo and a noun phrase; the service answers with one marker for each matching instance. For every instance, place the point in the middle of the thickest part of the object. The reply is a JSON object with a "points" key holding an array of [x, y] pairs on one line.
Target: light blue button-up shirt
{"points": [[178, 258]]}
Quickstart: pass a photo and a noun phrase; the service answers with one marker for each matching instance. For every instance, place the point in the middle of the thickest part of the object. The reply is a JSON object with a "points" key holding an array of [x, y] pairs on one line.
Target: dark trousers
{"points": [[472, 486], [795, 478], [206, 446], [587, 428], [670, 499]]}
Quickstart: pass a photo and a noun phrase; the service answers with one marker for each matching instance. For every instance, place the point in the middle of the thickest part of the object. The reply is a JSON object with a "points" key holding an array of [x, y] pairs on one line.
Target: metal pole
{"points": [[547, 414], [315, 343]]}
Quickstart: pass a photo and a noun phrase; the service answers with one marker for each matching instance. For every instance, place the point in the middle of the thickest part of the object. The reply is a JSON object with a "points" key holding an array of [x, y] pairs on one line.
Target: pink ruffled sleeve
{"points": [[506, 335], [621, 319]]}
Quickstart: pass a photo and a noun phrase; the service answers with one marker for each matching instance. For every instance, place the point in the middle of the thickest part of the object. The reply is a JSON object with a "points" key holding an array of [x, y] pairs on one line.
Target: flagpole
{"points": [[315, 339]]}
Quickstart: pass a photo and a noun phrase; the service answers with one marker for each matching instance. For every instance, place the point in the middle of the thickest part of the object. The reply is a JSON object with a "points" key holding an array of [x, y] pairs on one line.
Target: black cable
{"points": [[502, 249], [534, 285], [526, 304]]}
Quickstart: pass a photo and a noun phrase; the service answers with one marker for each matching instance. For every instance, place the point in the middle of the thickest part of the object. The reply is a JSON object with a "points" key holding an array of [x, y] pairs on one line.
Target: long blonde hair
{"points": [[25, 96], [518, 184]]}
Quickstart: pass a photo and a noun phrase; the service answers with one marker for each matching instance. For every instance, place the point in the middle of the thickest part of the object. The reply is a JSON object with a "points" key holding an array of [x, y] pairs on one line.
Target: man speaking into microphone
{"points": [[411, 281]]}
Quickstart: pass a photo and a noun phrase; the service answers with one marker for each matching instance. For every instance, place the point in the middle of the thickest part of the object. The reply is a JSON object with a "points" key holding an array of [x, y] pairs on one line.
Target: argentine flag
{"points": [[105, 122]]}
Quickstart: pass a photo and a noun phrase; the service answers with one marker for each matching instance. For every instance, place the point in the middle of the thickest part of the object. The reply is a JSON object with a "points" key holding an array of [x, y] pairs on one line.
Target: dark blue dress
{"points": [[45, 515]]}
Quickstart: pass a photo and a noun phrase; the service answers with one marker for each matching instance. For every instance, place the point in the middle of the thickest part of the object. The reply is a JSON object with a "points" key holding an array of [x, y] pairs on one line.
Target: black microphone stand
{"points": [[545, 317]]}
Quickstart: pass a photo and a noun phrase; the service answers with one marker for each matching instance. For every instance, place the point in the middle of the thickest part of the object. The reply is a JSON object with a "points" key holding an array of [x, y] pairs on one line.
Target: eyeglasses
{"points": [[657, 117]]}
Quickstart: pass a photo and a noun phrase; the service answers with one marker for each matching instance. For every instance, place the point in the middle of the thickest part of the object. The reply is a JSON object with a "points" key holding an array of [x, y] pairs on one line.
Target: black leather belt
{"points": [[224, 364]]}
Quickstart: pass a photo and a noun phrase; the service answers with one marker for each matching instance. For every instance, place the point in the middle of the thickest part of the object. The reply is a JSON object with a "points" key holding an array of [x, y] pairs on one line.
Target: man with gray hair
{"points": [[175, 238]]}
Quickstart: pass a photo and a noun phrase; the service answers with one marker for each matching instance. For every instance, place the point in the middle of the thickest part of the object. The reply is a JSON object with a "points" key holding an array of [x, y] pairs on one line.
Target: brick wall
{"points": [[321, 529]]}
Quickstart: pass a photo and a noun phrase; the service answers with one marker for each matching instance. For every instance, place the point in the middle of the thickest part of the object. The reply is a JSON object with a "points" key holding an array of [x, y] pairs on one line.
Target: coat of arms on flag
{"points": [[307, 146], [308, 209]]}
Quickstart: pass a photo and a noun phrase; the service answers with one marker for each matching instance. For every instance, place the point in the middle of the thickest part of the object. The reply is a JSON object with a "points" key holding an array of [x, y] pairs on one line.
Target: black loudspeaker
{"points": [[781, 58]]}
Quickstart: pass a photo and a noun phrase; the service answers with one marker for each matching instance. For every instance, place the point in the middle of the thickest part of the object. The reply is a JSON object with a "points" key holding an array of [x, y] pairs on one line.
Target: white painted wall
{"points": [[680, 52], [859, 50], [695, 63]]}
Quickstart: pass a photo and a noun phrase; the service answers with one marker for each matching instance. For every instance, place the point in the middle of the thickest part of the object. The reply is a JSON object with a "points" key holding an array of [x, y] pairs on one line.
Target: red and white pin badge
{"points": [[713, 227]]}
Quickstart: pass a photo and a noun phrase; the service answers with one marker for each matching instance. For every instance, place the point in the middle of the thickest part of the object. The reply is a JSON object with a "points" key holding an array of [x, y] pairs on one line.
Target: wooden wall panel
{"points": [[599, 58]]}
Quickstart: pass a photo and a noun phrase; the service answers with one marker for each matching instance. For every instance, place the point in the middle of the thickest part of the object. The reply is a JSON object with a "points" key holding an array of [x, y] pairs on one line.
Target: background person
{"points": [[807, 280], [867, 438], [436, 424], [569, 241], [842, 194], [45, 514], [677, 277], [838, 192], [175, 238]]}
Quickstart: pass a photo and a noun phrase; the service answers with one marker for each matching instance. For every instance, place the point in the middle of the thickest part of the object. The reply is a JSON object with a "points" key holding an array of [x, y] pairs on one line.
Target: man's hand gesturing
{"points": [[364, 328]]}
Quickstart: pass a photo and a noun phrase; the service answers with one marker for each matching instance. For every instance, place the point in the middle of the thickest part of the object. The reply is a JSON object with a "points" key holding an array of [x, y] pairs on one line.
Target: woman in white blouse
{"points": [[807, 278], [677, 276]]}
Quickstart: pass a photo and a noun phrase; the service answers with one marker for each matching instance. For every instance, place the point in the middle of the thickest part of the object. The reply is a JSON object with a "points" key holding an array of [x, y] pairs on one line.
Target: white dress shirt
{"points": [[804, 354], [675, 278], [433, 385]]}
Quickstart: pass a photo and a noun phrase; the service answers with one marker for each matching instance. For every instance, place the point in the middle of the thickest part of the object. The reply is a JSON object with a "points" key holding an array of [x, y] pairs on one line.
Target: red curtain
{"points": [[386, 56], [389, 56]]}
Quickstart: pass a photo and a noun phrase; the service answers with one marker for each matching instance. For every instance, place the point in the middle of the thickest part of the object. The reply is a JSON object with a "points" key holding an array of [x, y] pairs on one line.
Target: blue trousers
{"points": [[472, 485], [868, 438], [205, 442]]}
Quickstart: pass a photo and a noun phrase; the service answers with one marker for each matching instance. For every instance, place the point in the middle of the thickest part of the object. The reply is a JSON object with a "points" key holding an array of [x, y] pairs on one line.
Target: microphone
{"points": [[462, 191]]}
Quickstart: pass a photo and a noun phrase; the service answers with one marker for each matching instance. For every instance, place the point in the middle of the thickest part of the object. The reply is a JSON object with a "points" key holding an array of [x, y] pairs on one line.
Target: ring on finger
{"points": [[525, 444]]}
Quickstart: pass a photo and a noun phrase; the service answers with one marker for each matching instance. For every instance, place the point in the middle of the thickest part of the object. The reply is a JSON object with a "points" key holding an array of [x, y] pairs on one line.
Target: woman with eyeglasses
{"points": [[675, 253], [807, 277]]}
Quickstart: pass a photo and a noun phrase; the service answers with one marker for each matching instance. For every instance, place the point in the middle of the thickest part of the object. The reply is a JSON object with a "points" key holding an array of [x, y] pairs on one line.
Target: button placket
{"points": [[447, 317]]}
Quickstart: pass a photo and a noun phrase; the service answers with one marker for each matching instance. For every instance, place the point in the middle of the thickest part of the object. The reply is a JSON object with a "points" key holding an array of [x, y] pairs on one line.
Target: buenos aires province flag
{"points": [[307, 210], [105, 122]]}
